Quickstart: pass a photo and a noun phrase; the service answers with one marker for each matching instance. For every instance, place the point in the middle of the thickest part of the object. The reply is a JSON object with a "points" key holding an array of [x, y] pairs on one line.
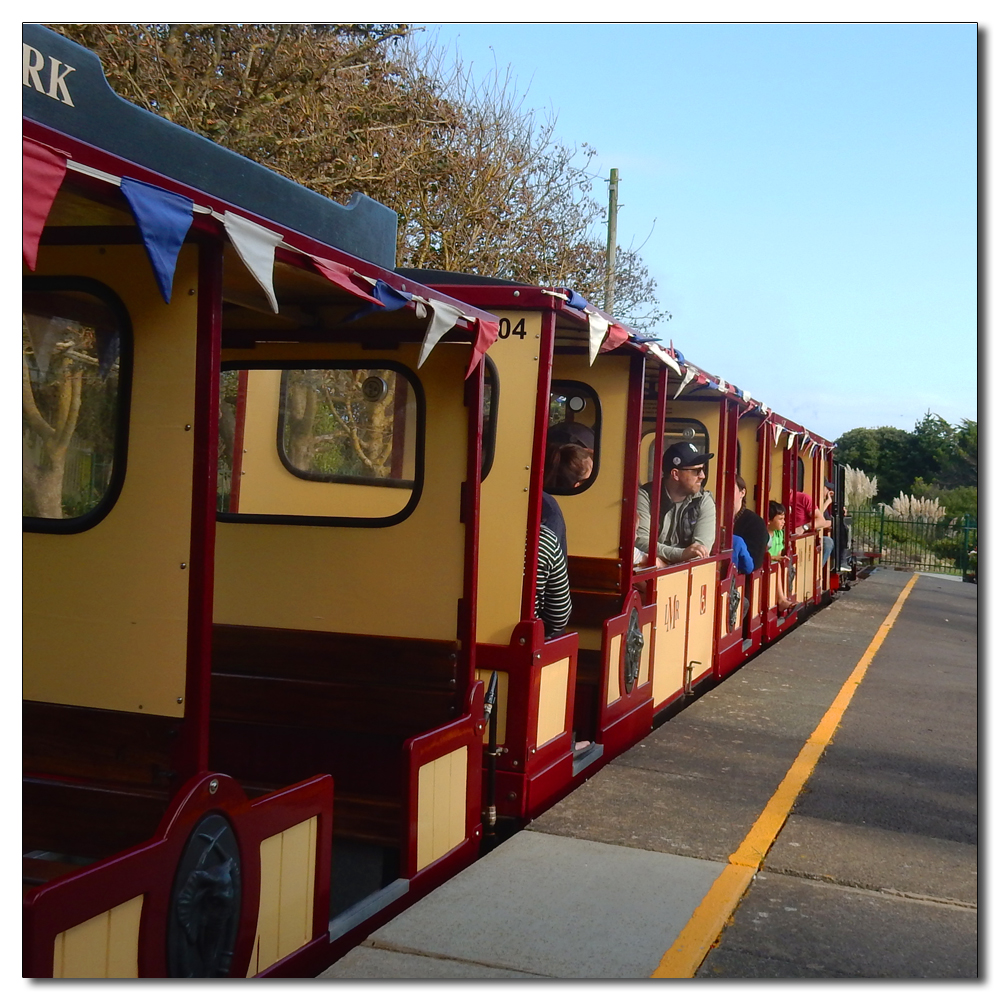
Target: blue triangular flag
{"points": [[164, 219], [576, 300], [390, 298]]}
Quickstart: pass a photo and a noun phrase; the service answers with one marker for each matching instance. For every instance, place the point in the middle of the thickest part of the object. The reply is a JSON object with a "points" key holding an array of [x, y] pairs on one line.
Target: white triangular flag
{"points": [[598, 331], [255, 245], [443, 318], [664, 356], [683, 385]]}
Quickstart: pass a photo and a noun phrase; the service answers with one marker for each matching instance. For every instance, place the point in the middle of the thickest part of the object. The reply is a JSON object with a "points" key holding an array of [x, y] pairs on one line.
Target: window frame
{"points": [[126, 358], [490, 428], [334, 520], [585, 390], [686, 421]]}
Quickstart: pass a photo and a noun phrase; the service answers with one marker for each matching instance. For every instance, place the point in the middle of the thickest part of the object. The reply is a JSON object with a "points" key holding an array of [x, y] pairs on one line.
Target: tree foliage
{"points": [[936, 460], [479, 181]]}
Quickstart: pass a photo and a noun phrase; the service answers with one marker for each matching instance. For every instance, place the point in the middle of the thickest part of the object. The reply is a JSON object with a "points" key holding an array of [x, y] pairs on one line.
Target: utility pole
{"points": [[609, 281]]}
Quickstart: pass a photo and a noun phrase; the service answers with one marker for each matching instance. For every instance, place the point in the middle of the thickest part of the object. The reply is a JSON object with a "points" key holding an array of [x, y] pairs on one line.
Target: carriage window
{"points": [[574, 418], [75, 339], [678, 429], [801, 478], [491, 402], [334, 444]]}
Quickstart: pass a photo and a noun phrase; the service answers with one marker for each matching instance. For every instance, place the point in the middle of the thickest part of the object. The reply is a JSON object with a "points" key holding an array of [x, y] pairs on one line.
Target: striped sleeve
{"points": [[552, 599]]}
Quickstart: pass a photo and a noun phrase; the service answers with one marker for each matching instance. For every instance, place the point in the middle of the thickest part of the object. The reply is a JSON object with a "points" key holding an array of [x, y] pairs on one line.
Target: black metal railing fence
{"points": [[947, 545]]}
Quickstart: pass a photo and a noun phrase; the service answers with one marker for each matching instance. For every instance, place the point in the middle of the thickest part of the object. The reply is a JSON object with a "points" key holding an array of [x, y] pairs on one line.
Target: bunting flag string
{"points": [[684, 382], [598, 331], [42, 173], [256, 245], [341, 275], [164, 219], [617, 335], [383, 296], [486, 333], [443, 317], [657, 351]]}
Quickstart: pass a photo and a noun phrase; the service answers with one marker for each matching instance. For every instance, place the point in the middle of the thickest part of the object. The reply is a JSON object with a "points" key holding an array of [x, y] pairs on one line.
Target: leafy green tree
{"points": [[958, 501], [479, 181], [935, 454], [883, 452]]}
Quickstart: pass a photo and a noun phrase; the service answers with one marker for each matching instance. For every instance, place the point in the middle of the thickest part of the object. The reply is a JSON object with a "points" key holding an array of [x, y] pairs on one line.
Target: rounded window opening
{"points": [[572, 445], [76, 369], [330, 443]]}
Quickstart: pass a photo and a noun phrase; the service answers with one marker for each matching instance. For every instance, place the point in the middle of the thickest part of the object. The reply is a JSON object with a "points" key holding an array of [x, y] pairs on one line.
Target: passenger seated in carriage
{"points": [[687, 512], [566, 467], [776, 527]]}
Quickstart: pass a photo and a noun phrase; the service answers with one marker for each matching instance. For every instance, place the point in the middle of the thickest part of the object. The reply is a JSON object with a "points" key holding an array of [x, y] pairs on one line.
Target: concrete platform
{"points": [[546, 906], [874, 874]]}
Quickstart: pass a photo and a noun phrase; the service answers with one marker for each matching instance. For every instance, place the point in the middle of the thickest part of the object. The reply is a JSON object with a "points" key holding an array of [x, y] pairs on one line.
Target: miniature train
{"points": [[282, 509]]}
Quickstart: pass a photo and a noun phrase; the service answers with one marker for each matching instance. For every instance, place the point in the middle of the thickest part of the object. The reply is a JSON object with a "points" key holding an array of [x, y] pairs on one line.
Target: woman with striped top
{"points": [[552, 600]]}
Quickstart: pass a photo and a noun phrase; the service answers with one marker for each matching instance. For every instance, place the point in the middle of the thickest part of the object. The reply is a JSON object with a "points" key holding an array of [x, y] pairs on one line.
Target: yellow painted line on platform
{"points": [[685, 955]]}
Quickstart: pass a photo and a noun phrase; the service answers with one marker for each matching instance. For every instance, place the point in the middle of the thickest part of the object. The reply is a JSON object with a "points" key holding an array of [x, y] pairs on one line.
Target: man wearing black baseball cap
{"points": [[687, 513]]}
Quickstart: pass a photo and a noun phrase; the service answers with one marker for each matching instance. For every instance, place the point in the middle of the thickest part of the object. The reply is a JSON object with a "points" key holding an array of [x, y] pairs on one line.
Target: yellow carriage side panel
{"points": [[671, 632], [747, 436], [701, 615], [503, 502], [807, 476], [287, 880], [806, 568], [503, 683], [103, 947], [552, 696], [106, 610], [267, 487], [441, 794], [613, 692], [593, 517], [777, 465], [400, 580]]}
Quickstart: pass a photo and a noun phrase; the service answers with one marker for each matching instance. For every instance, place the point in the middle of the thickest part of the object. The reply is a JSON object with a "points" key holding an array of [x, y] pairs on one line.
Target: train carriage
{"points": [[282, 508], [642, 637], [251, 514]]}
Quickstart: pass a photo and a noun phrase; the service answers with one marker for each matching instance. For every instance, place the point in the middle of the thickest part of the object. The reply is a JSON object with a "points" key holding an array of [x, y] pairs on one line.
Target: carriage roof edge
{"points": [[64, 88]]}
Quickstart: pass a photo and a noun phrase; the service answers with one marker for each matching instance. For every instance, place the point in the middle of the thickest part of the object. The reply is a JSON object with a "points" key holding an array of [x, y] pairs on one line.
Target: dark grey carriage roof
{"points": [[364, 228]]}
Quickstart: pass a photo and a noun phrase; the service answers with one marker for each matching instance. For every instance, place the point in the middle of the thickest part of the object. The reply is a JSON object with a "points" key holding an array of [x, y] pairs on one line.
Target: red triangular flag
{"points": [[617, 335], [340, 275], [486, 334], [42, 173]]}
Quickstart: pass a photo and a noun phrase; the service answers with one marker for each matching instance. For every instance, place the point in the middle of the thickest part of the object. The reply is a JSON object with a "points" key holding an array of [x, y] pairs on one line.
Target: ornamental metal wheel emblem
{"points": [[633, 651], [734, 604], [205, 903]]}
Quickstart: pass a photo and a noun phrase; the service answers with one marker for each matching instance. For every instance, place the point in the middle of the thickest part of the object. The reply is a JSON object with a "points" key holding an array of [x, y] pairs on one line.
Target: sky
{"points": [[805, 196]]}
